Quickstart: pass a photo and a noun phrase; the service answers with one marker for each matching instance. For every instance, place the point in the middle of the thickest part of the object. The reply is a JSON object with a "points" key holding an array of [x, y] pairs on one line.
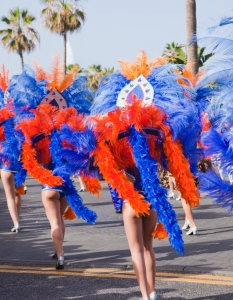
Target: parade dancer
{"points": [[140, 118], [12, 173], [57, 143], [217, 137]]}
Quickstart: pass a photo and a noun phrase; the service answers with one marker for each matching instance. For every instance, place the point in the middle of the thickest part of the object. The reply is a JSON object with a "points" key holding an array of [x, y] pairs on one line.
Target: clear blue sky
{"points": [[115, 29]]}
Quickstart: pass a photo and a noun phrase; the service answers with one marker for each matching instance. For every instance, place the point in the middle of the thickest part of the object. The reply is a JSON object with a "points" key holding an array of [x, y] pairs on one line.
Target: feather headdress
{"points": [[29, 89]]}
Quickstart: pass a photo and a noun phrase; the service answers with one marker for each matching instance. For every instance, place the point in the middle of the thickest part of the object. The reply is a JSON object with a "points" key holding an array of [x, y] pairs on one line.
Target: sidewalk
{"points": [[105, 244]]}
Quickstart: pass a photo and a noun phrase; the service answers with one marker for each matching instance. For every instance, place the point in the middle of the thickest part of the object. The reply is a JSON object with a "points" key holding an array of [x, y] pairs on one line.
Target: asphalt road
{"points": [[19, 284], [98, 263]]}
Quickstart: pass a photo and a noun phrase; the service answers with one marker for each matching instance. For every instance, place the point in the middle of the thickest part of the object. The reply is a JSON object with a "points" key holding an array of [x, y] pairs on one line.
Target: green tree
{"points": [[201, 57], [71, 66], [176, 52], [19, 37], [61, 17], [95, 73]]}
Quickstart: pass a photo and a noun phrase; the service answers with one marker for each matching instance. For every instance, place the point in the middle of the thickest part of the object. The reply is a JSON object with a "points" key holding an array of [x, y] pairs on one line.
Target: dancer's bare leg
{"points": [[149, 223], [172, 184], [54, 208], [134, 234], [8, 182], [62, 210], [18, 201], [171, 187], [81, 182], [188, 213]]}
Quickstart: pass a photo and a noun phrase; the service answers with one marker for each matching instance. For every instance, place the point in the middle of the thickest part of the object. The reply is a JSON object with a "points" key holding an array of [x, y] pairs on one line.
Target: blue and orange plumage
{"points": [[50, 133], [170, 113]]}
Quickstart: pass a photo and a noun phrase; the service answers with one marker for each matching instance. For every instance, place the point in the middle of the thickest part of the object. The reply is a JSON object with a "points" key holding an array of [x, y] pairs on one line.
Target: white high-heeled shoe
{"points": [[186, 225], [170, 196], [15, 228], [154, 296], [192, 231]]}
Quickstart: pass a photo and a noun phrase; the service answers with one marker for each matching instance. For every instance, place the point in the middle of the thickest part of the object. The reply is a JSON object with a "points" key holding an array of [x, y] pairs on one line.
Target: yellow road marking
{"points": [[116, 273]]}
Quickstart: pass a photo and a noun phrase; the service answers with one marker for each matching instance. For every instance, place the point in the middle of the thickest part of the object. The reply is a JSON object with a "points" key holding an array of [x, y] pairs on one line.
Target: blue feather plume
{"points": [[79, 95], [107, 93], [26, 90], [216, 188]]}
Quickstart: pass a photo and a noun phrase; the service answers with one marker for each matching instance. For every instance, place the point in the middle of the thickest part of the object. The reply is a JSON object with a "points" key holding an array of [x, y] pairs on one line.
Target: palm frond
{"points": [[19, 36]]}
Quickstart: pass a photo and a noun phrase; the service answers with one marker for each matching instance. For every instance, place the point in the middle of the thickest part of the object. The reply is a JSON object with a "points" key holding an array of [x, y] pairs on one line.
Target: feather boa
{"points": [[73, 198], [116, 200], [117, 178], [92, 184], [31, 164], [179, 166], [154, 193], [11, 151]]}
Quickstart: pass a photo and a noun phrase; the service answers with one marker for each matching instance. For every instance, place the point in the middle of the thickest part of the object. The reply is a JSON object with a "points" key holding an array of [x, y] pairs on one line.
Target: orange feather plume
{"points": [[40, 73], [92, 184], [128, 69], [159, 61], [160, 232], [56, 79], [68, 79], [56, 75], [4, 79], [20, 190], [69, 214], [188, 74], [5, 114], [205, 121], [2, 134], [141, 66]]}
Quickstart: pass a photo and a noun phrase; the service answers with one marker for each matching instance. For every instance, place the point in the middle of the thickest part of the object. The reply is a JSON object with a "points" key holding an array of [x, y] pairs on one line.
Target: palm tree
{"points": [[71, 66], [19, 36], [62, 16], [175, 52], [177, 55], [191, 29], [95, 73]]}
